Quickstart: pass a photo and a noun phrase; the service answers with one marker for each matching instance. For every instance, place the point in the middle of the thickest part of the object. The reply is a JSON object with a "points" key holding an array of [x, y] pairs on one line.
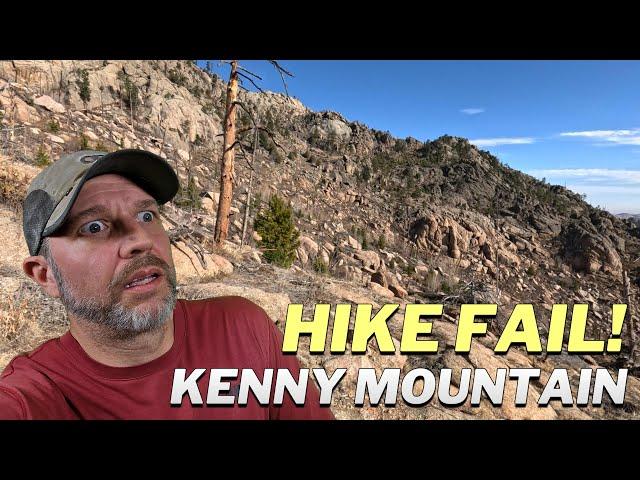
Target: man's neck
{"points": [[102, 346]]}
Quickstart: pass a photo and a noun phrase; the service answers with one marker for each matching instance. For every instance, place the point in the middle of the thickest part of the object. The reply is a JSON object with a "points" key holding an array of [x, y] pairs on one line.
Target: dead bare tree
{"points": [[631, 327], [131, 110], [229, 143], [497, 249], [245, 221], [228, 156]]}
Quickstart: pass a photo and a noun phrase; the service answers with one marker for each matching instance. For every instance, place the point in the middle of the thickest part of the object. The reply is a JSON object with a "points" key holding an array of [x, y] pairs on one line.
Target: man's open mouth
{"points": [[142, 280]]}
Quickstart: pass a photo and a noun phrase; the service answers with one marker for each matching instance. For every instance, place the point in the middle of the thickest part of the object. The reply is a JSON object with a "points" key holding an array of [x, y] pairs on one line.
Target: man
{"points": [[96, 241]]}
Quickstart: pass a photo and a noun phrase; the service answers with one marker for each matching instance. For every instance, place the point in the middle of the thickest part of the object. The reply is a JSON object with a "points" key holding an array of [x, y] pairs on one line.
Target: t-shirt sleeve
{"points": [[11, 408], [311, 410], [26, 394]]}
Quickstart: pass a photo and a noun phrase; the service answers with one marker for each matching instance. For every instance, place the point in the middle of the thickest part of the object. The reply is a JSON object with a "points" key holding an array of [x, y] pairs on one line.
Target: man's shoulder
{"points": [[228, 316], [230, 306], [25, 385], [32, 361]]}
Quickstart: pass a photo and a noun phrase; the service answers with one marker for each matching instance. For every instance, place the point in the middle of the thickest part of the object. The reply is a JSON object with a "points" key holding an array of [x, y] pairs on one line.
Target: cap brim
{"points": [[149, 171]]}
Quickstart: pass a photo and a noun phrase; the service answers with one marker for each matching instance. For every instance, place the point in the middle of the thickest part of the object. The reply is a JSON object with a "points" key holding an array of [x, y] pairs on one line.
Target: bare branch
{"points": [[244, 130], [271, 137], [237, 142], [281, 68], [175, 244], [249, 112], [250, 73], [240, 74], [282, 73]]}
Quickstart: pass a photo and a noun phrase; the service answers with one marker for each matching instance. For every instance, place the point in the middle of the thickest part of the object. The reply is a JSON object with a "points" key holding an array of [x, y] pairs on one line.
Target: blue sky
{"points": [[575, 123]]}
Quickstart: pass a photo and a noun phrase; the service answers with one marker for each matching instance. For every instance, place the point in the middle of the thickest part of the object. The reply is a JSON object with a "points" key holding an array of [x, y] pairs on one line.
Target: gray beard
{"points": [[120, 321]]}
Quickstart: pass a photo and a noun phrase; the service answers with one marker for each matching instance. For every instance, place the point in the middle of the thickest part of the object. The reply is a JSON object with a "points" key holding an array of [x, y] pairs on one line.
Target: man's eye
{"points": [[93, 227], [146, 216]]}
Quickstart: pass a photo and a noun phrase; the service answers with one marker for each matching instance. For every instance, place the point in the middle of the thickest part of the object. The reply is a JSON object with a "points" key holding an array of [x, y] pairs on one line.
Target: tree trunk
{"points": [[131, 110], [246, 210], [228, 156], [164, 134], [631, 326]]}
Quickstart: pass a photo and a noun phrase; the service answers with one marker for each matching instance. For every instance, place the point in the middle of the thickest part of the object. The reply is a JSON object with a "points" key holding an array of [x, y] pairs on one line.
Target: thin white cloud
{"points": [[494, 142], [472, 111], [616, 137], [593, 189], [615, 190], [591, 175]]}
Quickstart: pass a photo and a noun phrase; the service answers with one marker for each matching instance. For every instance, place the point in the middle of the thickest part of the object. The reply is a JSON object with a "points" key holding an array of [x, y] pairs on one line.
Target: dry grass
{"points": [[17, 316], [21, 326], [14, 180]]}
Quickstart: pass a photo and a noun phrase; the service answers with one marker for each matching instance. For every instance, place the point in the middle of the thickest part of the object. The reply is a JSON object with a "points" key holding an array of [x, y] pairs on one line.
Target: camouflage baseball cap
{"points": [[54, 190]]}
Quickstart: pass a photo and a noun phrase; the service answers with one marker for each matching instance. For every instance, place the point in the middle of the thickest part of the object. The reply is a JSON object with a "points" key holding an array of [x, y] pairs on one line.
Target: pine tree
{"points": [[280, 238], [83, 86]]}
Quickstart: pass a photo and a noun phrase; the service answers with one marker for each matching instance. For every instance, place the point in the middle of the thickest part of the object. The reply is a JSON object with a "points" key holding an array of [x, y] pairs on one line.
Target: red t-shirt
{"points": [[58, 380]]}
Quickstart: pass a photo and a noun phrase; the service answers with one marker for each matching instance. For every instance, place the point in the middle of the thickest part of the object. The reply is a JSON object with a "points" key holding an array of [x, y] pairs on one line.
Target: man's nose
{"points": [[136, 240]]}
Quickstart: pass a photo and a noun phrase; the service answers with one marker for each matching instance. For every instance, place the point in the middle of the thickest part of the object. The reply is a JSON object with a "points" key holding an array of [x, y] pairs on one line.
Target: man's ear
{"points": [[38, 268]]}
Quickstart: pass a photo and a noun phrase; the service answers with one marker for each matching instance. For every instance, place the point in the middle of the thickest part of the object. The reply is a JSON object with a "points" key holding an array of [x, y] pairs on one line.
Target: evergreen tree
{"points": [[83, 85], [280, 238]]}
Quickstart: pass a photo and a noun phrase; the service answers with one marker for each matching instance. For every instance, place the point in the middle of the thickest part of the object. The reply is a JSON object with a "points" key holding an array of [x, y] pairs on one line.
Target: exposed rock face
{"points": [[370, 259], [50, 104], [15, 108], [380, 290], [190, 270], [588, 250], [172, 96], [379, 278], [437, 232]]}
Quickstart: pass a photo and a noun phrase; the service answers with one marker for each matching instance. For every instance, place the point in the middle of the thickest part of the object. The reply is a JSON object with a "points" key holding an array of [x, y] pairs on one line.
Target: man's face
{"points": [[112, 258]]}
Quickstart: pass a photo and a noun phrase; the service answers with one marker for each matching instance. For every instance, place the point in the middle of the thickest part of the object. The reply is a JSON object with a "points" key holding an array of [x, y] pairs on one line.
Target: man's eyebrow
{"points": [[88, 212], [149, 202]]}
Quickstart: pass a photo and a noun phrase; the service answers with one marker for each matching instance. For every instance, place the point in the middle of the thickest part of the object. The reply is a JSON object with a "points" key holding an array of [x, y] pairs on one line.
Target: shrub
{"points": [[53, 126], [84, 142], [42, 157], [13, 185], [365, 173], [189, 196], [278, 157], [208, 108], [265, 141], [129, 91], [256, 201], [83, 85], [319, 266], [381, 163], [102, 147], [280, 238], [382, 243], [531, 271], [177, 77]]}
